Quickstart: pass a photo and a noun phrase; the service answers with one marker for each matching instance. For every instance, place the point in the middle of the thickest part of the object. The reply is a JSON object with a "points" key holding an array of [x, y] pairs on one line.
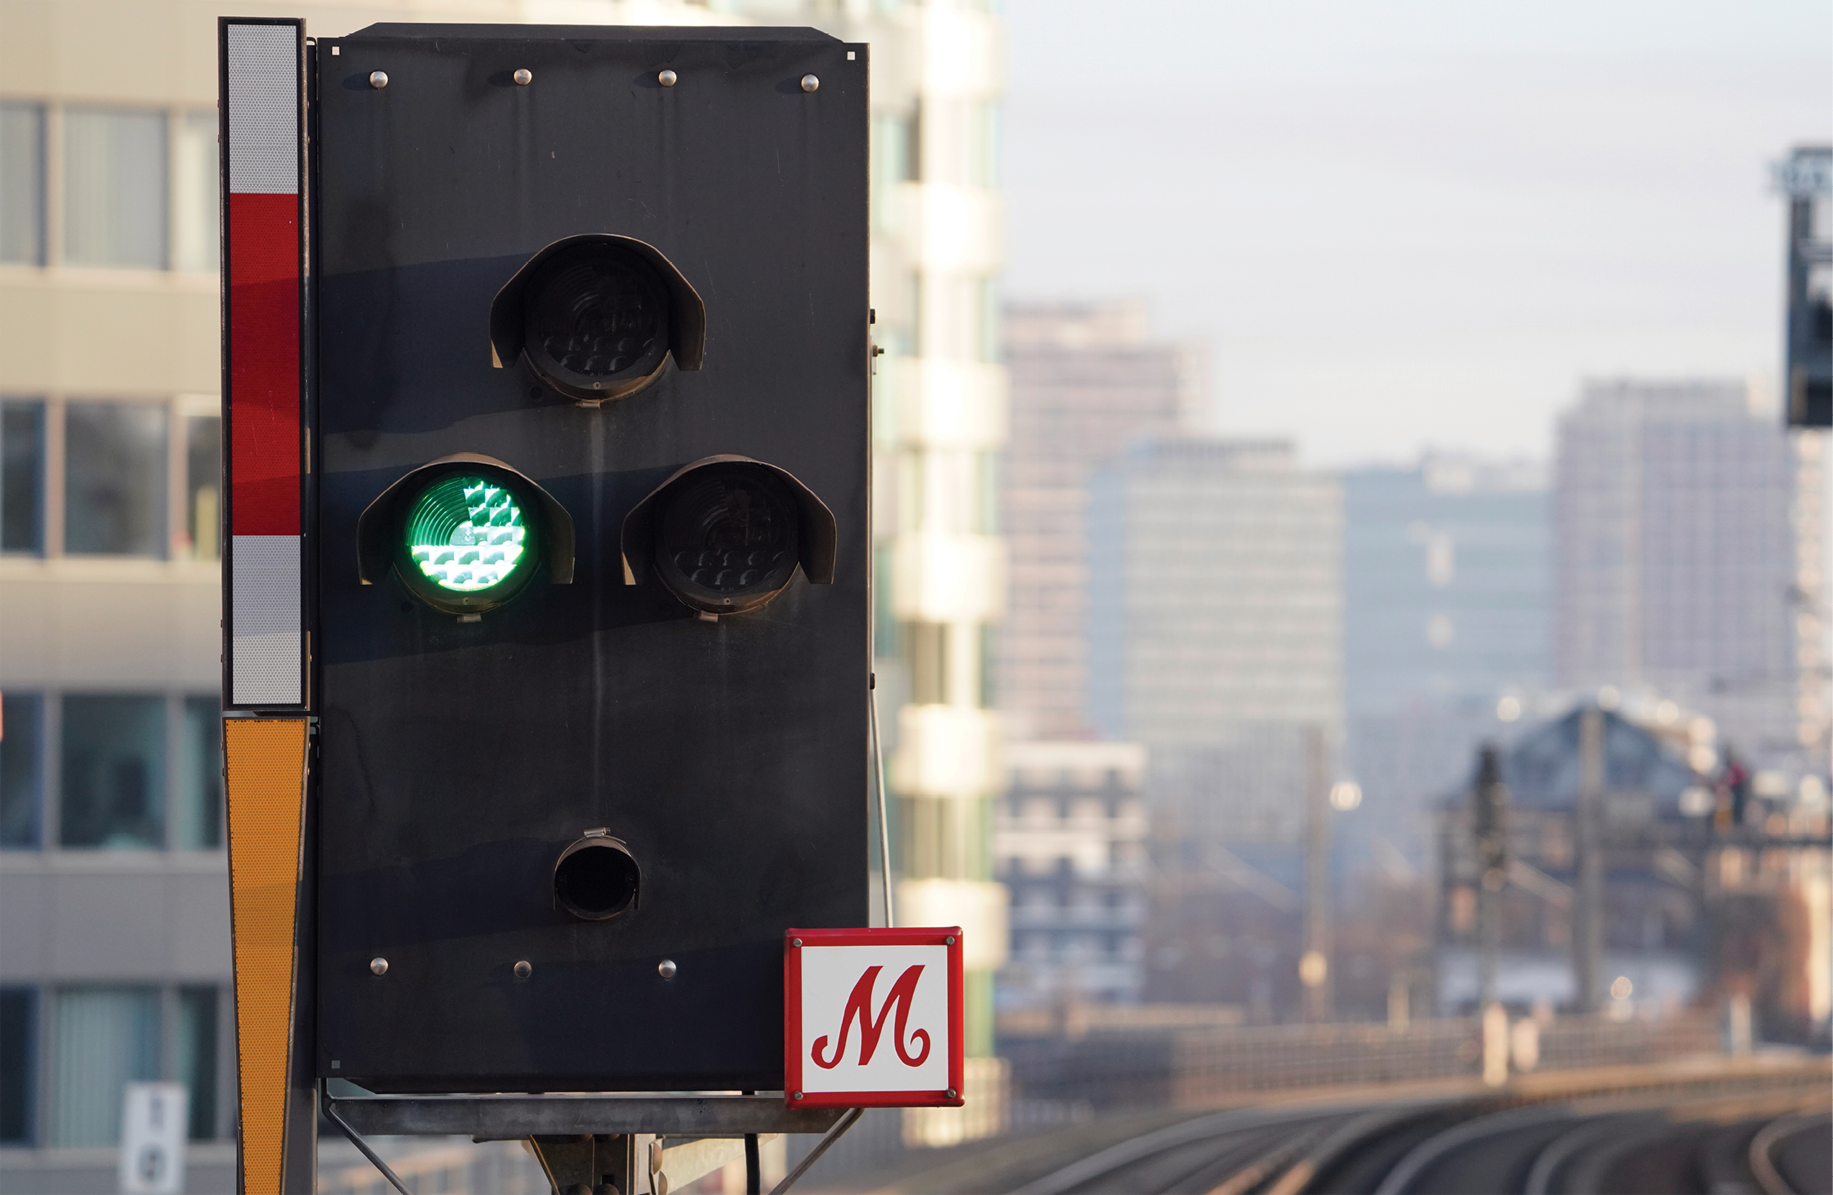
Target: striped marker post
{"points": [[264, 641], [261, 88]]}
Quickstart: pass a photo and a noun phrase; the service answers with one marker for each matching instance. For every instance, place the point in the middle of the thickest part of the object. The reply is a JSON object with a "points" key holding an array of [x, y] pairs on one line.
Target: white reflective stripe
{"points": [[264, 669], [264, 78], [265, 632]]}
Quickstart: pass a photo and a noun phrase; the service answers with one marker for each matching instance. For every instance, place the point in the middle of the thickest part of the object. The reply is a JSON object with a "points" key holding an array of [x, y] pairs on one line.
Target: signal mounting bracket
{"points": [[510, 1117]]}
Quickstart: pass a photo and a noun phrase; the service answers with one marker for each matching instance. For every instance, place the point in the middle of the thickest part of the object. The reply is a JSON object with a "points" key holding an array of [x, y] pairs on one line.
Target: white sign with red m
{"points": [[873, 1021]]}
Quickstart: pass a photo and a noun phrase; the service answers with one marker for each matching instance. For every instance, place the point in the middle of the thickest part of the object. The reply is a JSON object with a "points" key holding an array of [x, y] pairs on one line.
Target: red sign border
{"points": [[793, 1095]]}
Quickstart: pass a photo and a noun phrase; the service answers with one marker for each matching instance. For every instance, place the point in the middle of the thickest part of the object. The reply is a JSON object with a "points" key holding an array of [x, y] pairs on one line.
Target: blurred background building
{"points": [[1070, 838], [1216, 626], [114, 928], [1676, 555], [1447, 629], [939, 420], [1652, 914], [1087, 379], [114, 948]]}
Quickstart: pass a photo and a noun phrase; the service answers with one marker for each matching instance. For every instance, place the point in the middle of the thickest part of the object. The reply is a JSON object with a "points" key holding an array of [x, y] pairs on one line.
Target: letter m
{"points": [[859, 1004]]}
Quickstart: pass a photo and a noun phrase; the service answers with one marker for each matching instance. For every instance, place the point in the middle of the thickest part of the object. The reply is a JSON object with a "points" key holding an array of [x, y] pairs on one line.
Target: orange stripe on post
{"points": [[265, 765]]}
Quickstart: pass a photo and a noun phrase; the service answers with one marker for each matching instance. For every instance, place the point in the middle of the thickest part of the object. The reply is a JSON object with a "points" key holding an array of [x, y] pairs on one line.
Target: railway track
{"points": [[1764, 1130]]}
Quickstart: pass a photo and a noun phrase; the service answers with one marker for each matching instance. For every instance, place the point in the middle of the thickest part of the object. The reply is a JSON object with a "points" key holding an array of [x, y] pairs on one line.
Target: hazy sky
{"points": [[1408, 222]]}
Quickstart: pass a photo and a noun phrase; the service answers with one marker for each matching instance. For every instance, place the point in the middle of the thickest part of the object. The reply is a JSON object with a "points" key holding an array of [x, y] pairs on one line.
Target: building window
{"points": [[195, 244], [22, 771], [113, 785], [203, 482], [894, 163], [104, 1038], [22, 184], [114, 187], [114, 478], [197, 1061], [18, 1065], [139, 187], [22, 476], [197, 805]]}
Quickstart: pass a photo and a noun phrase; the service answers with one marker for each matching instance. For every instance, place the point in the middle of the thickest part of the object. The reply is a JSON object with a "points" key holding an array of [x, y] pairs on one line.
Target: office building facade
{"points": [[1447, 628], [114, 925], [1087, 379], [1676, 512], [1216, 626], [1070, 838]]}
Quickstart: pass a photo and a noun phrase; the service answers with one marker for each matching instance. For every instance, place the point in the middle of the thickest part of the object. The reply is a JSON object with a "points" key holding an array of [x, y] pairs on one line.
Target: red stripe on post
{"points": [[264, 364]]}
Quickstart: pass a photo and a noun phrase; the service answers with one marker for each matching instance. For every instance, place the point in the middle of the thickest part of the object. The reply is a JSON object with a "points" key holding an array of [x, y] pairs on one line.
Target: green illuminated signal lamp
{"points": [[465, 534]]}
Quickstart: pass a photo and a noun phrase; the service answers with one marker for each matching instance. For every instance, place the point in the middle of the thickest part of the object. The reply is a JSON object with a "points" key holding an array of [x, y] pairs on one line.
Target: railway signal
{"points": [[566, 474], [1806, 180]]}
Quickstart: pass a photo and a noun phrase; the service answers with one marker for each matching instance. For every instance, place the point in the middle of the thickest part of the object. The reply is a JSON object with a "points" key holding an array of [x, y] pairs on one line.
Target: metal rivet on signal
{"points": [[951, 1093], [524, 77], [667, 78], [666, 968], [810, 83], [524, 969], [378, 966], [796, 1096], [950, 940], [378, 79], [795, 941]]}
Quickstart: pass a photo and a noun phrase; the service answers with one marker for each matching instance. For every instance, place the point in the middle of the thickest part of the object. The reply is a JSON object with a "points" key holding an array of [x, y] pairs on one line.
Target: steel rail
{"points": [[1346, 1128], [1762, 1150], [1437, 1146], [1634, 1133], [1247, 1177], [1583, 1138], [1329, 1151], [1130, 1152], [1553, 1156], [1481, 1116]]}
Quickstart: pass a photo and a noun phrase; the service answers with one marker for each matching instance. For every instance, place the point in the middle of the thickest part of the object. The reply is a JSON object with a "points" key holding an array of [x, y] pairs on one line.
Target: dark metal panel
{"points": [[459, 759]]}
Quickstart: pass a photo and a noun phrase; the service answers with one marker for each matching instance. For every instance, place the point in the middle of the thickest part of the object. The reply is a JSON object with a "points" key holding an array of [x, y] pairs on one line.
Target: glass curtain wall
{"points": [[104, 1038], [203, 484], [18, 1064], [197, 804], [114, 176], [195, 244], [114, 478], [197, 1058], [22, 770], [22, 476], [112, 791], [22, 183]]}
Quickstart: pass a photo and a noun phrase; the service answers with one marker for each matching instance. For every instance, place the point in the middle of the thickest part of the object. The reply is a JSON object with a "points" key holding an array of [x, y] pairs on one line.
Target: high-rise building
{"points": [[1676, 557], [114, 905], [1447, 627], [1087, 379], [939, 420], [1216, 626], [114, 929], [1070, 838]]}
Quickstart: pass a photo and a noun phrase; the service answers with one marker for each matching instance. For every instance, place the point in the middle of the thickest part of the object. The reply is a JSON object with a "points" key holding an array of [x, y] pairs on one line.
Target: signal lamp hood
{"points": [[726, 533], [596, 317]]}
